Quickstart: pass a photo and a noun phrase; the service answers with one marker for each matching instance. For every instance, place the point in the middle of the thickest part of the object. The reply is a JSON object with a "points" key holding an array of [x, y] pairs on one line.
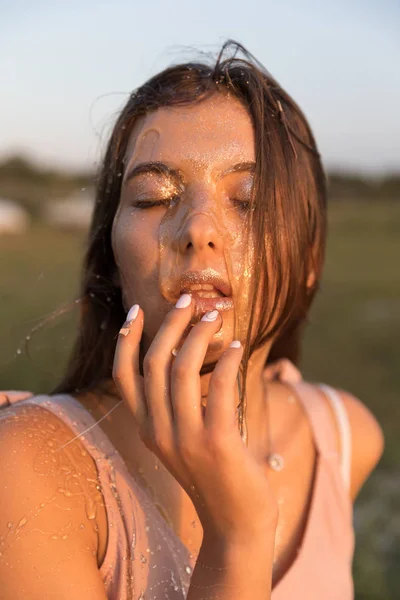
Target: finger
{"points": [[126, 365], [157, 366], [222, 392], [185, 374]]}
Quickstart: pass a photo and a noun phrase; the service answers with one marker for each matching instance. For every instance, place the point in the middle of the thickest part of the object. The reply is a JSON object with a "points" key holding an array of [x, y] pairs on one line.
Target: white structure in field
{"points": [[13, 218], [74, 212]]}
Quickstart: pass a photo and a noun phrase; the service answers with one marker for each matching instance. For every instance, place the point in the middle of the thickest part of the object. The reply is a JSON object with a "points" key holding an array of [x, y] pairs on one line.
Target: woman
{"points": [[194, 471]]}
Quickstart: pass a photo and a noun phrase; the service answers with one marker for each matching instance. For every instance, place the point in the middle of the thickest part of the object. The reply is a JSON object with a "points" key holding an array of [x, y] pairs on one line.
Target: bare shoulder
{"points": [[47, 502], [367, 440]]}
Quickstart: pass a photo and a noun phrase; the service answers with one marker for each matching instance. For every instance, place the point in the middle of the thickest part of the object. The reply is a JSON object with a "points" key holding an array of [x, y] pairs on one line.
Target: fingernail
{"points": [[133, 313], [184, 301], [235, 344], [209, 317]]}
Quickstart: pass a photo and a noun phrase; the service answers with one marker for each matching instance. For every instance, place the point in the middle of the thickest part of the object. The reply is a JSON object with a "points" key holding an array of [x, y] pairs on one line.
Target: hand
{"points": [[283, 370], [204, 452]]}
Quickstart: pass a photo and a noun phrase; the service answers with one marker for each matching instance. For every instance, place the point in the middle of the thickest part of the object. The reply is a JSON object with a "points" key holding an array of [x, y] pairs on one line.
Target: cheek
{"points": [[135, 245]]}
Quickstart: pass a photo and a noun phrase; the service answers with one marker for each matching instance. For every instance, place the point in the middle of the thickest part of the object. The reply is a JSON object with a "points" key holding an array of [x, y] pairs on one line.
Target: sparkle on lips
{"points": [[208, 290]]}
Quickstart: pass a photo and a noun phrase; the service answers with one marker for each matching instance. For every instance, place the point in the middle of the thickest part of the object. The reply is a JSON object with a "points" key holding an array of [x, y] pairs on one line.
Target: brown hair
{"points": [[289, 208]]}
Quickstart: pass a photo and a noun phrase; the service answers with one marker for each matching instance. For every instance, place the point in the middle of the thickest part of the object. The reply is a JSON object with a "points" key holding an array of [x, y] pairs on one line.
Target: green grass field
{"points": [[351, 343]]}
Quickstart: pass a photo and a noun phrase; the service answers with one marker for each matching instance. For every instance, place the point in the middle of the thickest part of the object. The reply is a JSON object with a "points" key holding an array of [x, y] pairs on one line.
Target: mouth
{"points": [[209, 290]]}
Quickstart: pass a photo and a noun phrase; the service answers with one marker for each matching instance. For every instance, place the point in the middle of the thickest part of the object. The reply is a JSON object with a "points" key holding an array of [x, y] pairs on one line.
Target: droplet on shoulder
{"points": [[188, 569]]}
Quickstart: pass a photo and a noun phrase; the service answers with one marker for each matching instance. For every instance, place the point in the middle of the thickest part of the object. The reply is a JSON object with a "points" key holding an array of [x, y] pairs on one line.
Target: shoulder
{"points": [[52, 485], [367, 440], [38, 444]]}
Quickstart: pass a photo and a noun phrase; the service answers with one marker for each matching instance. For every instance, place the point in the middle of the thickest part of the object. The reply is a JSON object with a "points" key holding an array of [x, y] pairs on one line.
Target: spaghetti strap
{"points": [[316, 407], [344, 431]]}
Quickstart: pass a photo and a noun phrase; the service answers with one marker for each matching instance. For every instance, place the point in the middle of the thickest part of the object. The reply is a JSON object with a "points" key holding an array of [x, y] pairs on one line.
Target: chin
{"points": [[215, 350]]}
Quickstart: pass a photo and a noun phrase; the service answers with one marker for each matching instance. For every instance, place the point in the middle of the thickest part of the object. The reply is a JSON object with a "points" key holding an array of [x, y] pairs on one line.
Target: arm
{"points": [[45, 551], [203, 451], [229, 571], [367, 441]]}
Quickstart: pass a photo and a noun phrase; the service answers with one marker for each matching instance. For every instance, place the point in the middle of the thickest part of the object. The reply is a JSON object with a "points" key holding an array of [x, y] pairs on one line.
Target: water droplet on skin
{"points": [[22, 522], [188, 569], [143, 559], [9, 525], [81, 526], [19, 351]]}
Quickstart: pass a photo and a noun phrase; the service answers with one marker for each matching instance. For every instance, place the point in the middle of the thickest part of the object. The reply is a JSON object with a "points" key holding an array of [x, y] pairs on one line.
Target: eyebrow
{"points": [[161, 168], [238, 168]]}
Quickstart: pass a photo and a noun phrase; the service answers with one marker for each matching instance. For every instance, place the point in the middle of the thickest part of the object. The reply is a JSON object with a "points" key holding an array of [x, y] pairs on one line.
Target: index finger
{"points": [[126, 373]]}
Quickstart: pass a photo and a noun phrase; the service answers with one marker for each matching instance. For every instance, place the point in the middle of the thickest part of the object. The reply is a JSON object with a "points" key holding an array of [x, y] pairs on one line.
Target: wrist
{"points": [[233, 546]]}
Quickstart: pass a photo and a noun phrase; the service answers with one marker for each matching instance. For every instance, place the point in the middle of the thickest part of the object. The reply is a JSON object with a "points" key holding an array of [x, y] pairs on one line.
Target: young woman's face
{"points": [[181, 223]]}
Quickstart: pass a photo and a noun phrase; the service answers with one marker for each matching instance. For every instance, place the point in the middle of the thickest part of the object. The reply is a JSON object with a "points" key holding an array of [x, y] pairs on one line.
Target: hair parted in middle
{"points": [[288, 209]]}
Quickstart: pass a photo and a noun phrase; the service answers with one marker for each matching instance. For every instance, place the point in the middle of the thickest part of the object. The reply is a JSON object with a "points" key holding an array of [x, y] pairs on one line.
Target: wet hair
{"points": [[288, 209]]}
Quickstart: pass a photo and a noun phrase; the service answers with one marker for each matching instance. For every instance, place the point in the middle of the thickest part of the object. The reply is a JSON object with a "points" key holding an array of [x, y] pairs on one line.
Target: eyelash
{"points": [[144, 204]]}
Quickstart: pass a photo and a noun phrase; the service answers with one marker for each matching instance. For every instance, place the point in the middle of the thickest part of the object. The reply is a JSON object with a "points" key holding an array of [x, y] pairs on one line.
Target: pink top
{"points": [[146, 560]]}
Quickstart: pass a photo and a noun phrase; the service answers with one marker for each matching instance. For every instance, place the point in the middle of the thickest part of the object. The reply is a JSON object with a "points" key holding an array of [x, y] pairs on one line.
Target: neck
{"points": [[256, 414]]}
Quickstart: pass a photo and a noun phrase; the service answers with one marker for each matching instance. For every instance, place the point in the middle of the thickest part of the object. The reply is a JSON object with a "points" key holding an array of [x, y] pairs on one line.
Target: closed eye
{"points": [[242, 205], [165, 202]]}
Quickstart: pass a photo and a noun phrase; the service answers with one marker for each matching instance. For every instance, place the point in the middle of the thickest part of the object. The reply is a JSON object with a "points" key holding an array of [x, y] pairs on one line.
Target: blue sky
{"points": [[66, 68]]}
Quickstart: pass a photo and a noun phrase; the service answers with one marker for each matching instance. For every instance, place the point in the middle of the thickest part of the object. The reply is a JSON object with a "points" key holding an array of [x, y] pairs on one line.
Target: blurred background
{"points": [[67, 68]]}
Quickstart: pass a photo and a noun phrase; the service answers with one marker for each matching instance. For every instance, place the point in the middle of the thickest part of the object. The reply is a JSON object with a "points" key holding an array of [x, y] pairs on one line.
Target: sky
{"points": [[66, 69]]}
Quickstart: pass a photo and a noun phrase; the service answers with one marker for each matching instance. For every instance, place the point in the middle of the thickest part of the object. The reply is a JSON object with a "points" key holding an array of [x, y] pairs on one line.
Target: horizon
{"points": [[60, 99]]}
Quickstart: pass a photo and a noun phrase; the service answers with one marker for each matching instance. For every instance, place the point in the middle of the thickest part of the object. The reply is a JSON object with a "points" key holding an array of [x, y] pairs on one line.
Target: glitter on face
{"points": [[190, 215]]}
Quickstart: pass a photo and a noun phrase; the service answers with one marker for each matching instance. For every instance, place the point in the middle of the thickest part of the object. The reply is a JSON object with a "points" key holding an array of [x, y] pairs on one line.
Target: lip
{"points": [[208, 275], [220, 303]]}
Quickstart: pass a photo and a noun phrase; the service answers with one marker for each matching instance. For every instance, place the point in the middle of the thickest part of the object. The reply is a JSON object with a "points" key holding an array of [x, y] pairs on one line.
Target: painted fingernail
{"points": [[235, 344], [184, 301], [211, 316], [133, 313]]}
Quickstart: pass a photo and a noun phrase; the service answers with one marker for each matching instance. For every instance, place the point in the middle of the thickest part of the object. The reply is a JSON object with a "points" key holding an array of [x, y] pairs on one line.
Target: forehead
{"points": [[212, 133]]}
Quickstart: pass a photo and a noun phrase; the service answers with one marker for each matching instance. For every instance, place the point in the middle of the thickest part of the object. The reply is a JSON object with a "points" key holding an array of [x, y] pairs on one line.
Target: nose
{"points": [[200, 236]]}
